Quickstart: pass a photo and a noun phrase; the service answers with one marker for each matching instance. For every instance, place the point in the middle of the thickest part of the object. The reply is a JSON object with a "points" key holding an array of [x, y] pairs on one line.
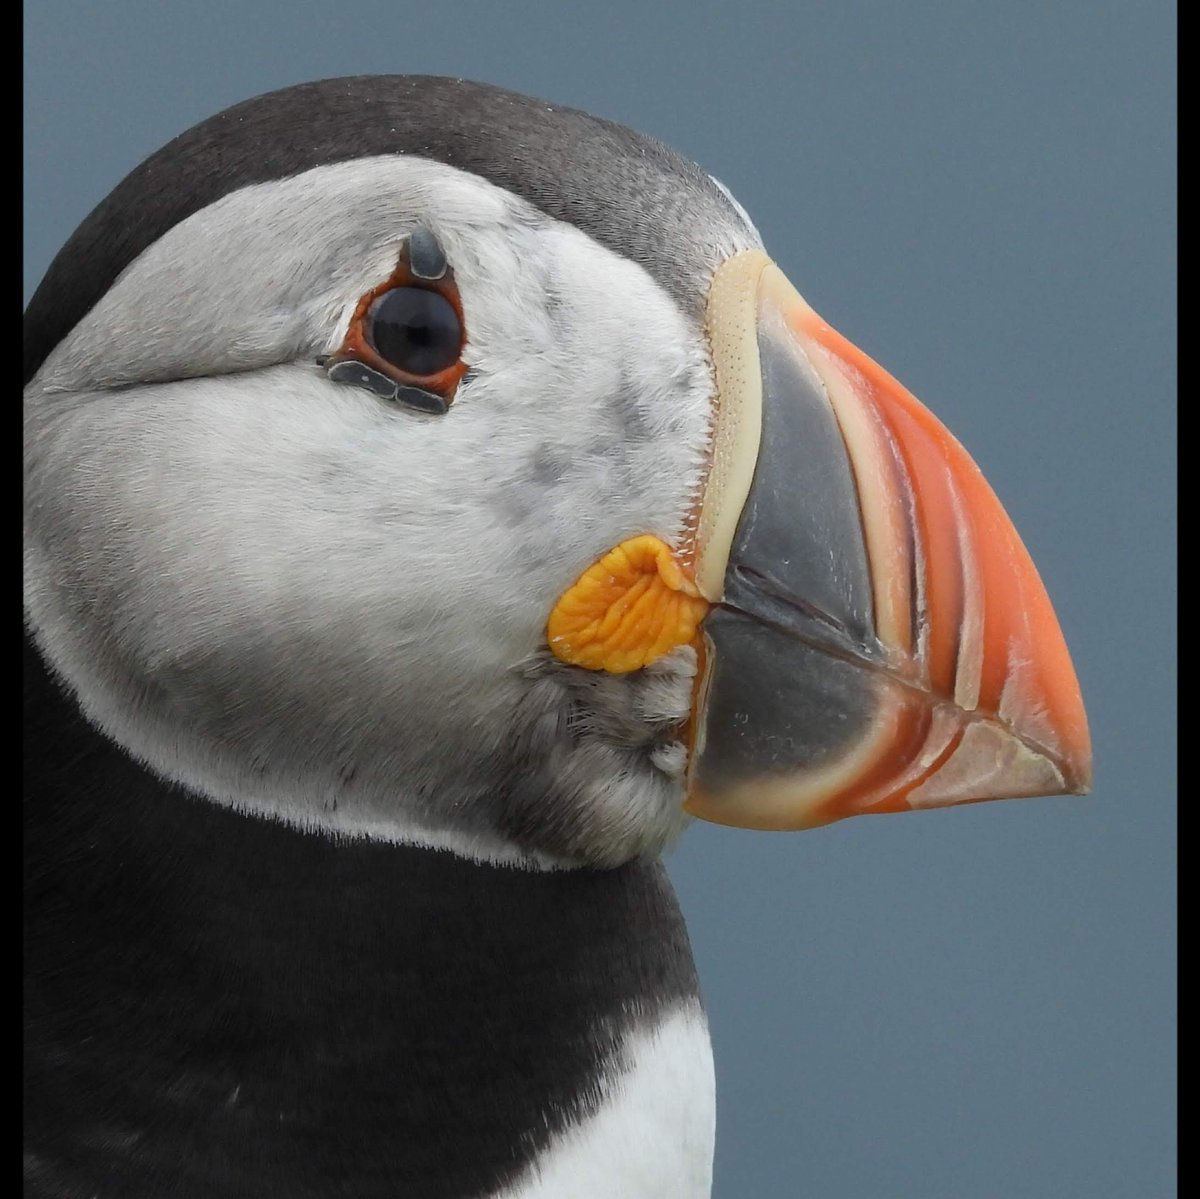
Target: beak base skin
{"points": [[881, 640]]}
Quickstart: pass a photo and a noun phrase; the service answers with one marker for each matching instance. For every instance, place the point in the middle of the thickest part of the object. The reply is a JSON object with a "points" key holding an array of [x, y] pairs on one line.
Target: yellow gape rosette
{"points": [[629, 608]]}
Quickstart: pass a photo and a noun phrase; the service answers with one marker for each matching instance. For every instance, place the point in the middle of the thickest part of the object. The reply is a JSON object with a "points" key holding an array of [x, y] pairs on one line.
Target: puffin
{"points": [[434, 499]]}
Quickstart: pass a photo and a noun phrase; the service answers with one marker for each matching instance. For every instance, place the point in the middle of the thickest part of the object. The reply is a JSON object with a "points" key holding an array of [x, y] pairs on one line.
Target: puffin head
{"points": [[410, 459]]}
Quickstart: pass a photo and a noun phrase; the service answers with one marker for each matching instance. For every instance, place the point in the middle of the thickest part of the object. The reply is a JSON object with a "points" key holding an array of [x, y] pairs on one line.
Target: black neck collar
{"points": [[221, 1005]]}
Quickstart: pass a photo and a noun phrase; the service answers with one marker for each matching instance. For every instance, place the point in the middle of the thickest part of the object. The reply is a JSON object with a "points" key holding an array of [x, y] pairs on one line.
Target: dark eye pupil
{"points": [[415, 330]]}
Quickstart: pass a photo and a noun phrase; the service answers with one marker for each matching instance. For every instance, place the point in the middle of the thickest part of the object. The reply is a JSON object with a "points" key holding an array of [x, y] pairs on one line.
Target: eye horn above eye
{"points": [[426, 257], [406, 337]]}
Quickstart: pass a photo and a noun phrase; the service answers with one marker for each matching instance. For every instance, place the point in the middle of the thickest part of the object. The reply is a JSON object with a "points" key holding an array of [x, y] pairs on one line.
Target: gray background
{"points": [[968, 1003]]}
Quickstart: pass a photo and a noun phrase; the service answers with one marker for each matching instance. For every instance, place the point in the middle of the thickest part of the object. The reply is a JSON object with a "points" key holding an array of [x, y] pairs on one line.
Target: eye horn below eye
{"points": [[355, 373]]}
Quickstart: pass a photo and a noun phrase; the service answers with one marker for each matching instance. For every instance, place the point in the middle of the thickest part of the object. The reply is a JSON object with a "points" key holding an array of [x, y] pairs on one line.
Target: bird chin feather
{"points": [[598, 768]]}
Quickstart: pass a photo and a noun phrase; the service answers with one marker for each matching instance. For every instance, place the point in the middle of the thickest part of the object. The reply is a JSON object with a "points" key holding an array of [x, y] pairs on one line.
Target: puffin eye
{"points": [[416, 331], [406, 337]]}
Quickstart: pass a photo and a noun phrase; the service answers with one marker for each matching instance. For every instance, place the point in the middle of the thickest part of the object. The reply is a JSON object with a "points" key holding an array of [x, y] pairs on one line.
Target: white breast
{"points": [[653, 1135]]}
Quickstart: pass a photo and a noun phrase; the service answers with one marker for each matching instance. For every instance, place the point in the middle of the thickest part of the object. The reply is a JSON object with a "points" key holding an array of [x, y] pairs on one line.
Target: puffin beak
{"points": [[878, 638]]}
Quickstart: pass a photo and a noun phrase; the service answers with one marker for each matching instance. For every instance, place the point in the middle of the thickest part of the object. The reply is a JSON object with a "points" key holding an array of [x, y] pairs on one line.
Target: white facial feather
{"points": [[293, 597]]}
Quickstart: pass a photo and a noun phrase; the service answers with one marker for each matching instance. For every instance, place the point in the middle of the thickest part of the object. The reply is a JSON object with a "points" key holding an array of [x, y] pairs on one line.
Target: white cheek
{"points": [[576, 350], [251, 576], [581, 357], [279, 500]]}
